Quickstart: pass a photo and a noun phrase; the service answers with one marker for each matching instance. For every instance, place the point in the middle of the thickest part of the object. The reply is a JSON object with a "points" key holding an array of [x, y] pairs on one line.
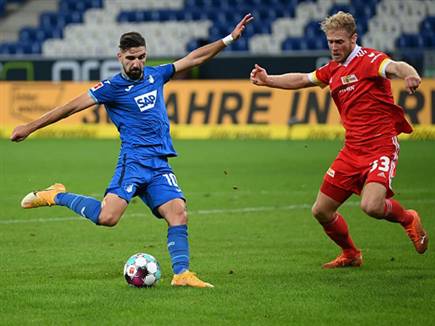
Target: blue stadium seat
{"points": [[321, 43], [409, 41], [191, 45], [363, 9], [2, 8], [3, 49], [312, 29], [49, 20], [66, 6], [361, 26], [428, 41], [427, 26], [240, 45], [291, 43], [338, 7]]}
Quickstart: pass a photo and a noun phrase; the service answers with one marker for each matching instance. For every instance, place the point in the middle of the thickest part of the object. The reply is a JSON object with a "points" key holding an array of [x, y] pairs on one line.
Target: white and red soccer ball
{"points": [[142, 270]]}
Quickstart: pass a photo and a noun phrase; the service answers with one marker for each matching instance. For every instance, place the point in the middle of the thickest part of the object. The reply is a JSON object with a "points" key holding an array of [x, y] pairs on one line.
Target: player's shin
{"points": [[395, 213], [338, 232], [87, 207], [178, 247]]}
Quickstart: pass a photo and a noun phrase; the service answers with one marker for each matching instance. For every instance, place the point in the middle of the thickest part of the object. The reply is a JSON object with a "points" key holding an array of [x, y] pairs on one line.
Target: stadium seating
{"points": [[6, 4], [91, 28]]}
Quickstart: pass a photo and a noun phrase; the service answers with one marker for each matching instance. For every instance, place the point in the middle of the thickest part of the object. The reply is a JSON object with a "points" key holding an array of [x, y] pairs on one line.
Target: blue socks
{"points": [[85, 206], [178, 247]]}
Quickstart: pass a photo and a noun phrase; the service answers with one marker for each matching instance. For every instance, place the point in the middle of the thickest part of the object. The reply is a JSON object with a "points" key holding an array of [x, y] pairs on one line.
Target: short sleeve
{"points": [[375, 64], [102, 92], [320, 76], [166, 71]]}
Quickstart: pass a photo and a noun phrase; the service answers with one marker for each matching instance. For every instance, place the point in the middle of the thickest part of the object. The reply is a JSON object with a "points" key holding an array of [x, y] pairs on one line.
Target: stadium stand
{"points": [[91, 28]]}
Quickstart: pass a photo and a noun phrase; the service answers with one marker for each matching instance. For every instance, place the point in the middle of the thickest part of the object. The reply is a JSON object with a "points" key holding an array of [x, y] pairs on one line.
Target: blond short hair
{"points": [[339, 21]]}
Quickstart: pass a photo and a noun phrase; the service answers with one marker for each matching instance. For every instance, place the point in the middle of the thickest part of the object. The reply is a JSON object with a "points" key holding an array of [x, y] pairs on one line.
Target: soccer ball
{"points": [[142, 270]]}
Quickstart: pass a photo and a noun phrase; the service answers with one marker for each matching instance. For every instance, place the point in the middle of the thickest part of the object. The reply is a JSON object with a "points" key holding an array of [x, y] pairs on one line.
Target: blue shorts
{"points": [[151, 179]]}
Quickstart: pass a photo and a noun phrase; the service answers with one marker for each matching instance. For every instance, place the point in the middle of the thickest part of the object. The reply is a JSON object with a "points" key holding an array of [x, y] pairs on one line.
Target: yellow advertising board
{"points": [[210, 109]]}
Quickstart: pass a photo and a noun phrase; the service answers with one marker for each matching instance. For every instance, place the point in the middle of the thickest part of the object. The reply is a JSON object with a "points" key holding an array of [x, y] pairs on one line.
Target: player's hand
{"points": [[238, 30], [259, 76], [412, 83], [20, 133]]}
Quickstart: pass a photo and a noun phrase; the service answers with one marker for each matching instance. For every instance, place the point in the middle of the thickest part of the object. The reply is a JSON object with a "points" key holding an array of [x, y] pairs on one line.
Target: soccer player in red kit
{"points": [[358, 79]]}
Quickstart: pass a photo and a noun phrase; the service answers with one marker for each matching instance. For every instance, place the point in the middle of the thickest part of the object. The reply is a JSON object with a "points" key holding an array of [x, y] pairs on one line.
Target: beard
{"points": [[134, 73]]}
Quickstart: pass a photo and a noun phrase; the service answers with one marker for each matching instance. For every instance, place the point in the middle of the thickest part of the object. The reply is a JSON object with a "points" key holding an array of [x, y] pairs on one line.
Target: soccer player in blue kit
{"points": [[135, 103]]}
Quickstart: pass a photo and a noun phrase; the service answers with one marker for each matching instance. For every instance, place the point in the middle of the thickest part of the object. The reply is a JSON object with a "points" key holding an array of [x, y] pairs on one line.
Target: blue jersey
{"points": [[138, 110]]}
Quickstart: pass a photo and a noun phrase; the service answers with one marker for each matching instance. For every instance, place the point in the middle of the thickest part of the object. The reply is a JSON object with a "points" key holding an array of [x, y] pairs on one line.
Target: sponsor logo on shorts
{"points": [[129, 188], [146, 101], [330, 172], [382, 175]]}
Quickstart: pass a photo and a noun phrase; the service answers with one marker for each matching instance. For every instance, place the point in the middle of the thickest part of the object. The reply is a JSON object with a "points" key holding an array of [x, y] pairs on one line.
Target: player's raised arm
{"points": [[76, 105], [402, 70], [206, 52], [260, 77]]}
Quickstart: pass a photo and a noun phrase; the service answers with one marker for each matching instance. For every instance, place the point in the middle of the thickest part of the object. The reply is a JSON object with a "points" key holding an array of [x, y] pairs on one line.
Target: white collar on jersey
{"points": [[352, 55]]}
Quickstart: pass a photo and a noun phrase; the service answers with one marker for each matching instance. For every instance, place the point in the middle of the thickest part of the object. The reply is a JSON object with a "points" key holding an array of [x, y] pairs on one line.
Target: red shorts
{"points": [[353, 168]]}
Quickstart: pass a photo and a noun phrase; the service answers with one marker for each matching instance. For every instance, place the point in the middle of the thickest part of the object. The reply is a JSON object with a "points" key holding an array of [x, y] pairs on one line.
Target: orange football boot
{"points": [[345, 260], [188, 278], [43, 197], [416, 233]]}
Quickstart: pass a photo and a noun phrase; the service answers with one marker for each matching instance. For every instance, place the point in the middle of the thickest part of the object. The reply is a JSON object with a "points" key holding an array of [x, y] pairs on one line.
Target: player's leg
{"points": [[338, 184], [174, 212], [112, 209], [334, 225], [166, 200], [374, 203], [376, 198], [105, 213], [56, 195], [175, 215]]}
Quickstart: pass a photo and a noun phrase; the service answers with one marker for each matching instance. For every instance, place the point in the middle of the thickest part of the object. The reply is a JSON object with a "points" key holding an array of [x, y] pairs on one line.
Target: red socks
{"points": [[338, 232], [395, 213]]}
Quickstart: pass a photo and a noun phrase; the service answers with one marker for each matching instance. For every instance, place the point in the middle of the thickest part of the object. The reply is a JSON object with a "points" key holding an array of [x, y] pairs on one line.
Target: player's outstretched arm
{"points": [[206, 52], [76, 105], [260, 77], [402, 70]]}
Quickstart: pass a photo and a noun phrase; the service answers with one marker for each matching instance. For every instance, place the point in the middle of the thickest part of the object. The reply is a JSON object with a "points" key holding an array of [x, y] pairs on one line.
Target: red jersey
{"points": [[362, 94]]}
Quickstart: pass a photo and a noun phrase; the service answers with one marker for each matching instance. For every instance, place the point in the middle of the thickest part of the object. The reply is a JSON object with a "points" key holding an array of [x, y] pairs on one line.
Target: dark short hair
{"points": [[131, 40]]}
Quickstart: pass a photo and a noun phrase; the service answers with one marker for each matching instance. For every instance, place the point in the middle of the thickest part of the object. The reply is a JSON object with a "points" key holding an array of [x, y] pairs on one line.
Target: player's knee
{"points": [[372, 209], [320, 214], [179, 217], [108, 219]]}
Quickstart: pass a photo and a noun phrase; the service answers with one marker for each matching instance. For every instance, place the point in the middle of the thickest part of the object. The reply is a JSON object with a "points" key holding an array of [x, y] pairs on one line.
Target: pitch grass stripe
{"points": [[99, 196], [201, 212]]}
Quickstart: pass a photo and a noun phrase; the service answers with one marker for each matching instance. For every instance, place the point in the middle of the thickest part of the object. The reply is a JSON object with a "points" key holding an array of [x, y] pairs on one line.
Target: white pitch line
{"points": [[200, 212]]}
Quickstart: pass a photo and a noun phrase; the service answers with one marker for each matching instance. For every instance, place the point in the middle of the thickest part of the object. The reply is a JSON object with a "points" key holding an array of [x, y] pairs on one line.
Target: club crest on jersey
{"points": [[349, 79], [146, 101]]}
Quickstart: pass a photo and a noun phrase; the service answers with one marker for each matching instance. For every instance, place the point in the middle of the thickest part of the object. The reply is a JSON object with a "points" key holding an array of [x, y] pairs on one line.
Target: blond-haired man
{"points": [[359, 83]]}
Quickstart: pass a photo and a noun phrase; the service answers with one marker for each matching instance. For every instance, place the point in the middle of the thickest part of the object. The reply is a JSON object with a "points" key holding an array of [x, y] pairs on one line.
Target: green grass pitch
{"points": [[251, 235]]}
